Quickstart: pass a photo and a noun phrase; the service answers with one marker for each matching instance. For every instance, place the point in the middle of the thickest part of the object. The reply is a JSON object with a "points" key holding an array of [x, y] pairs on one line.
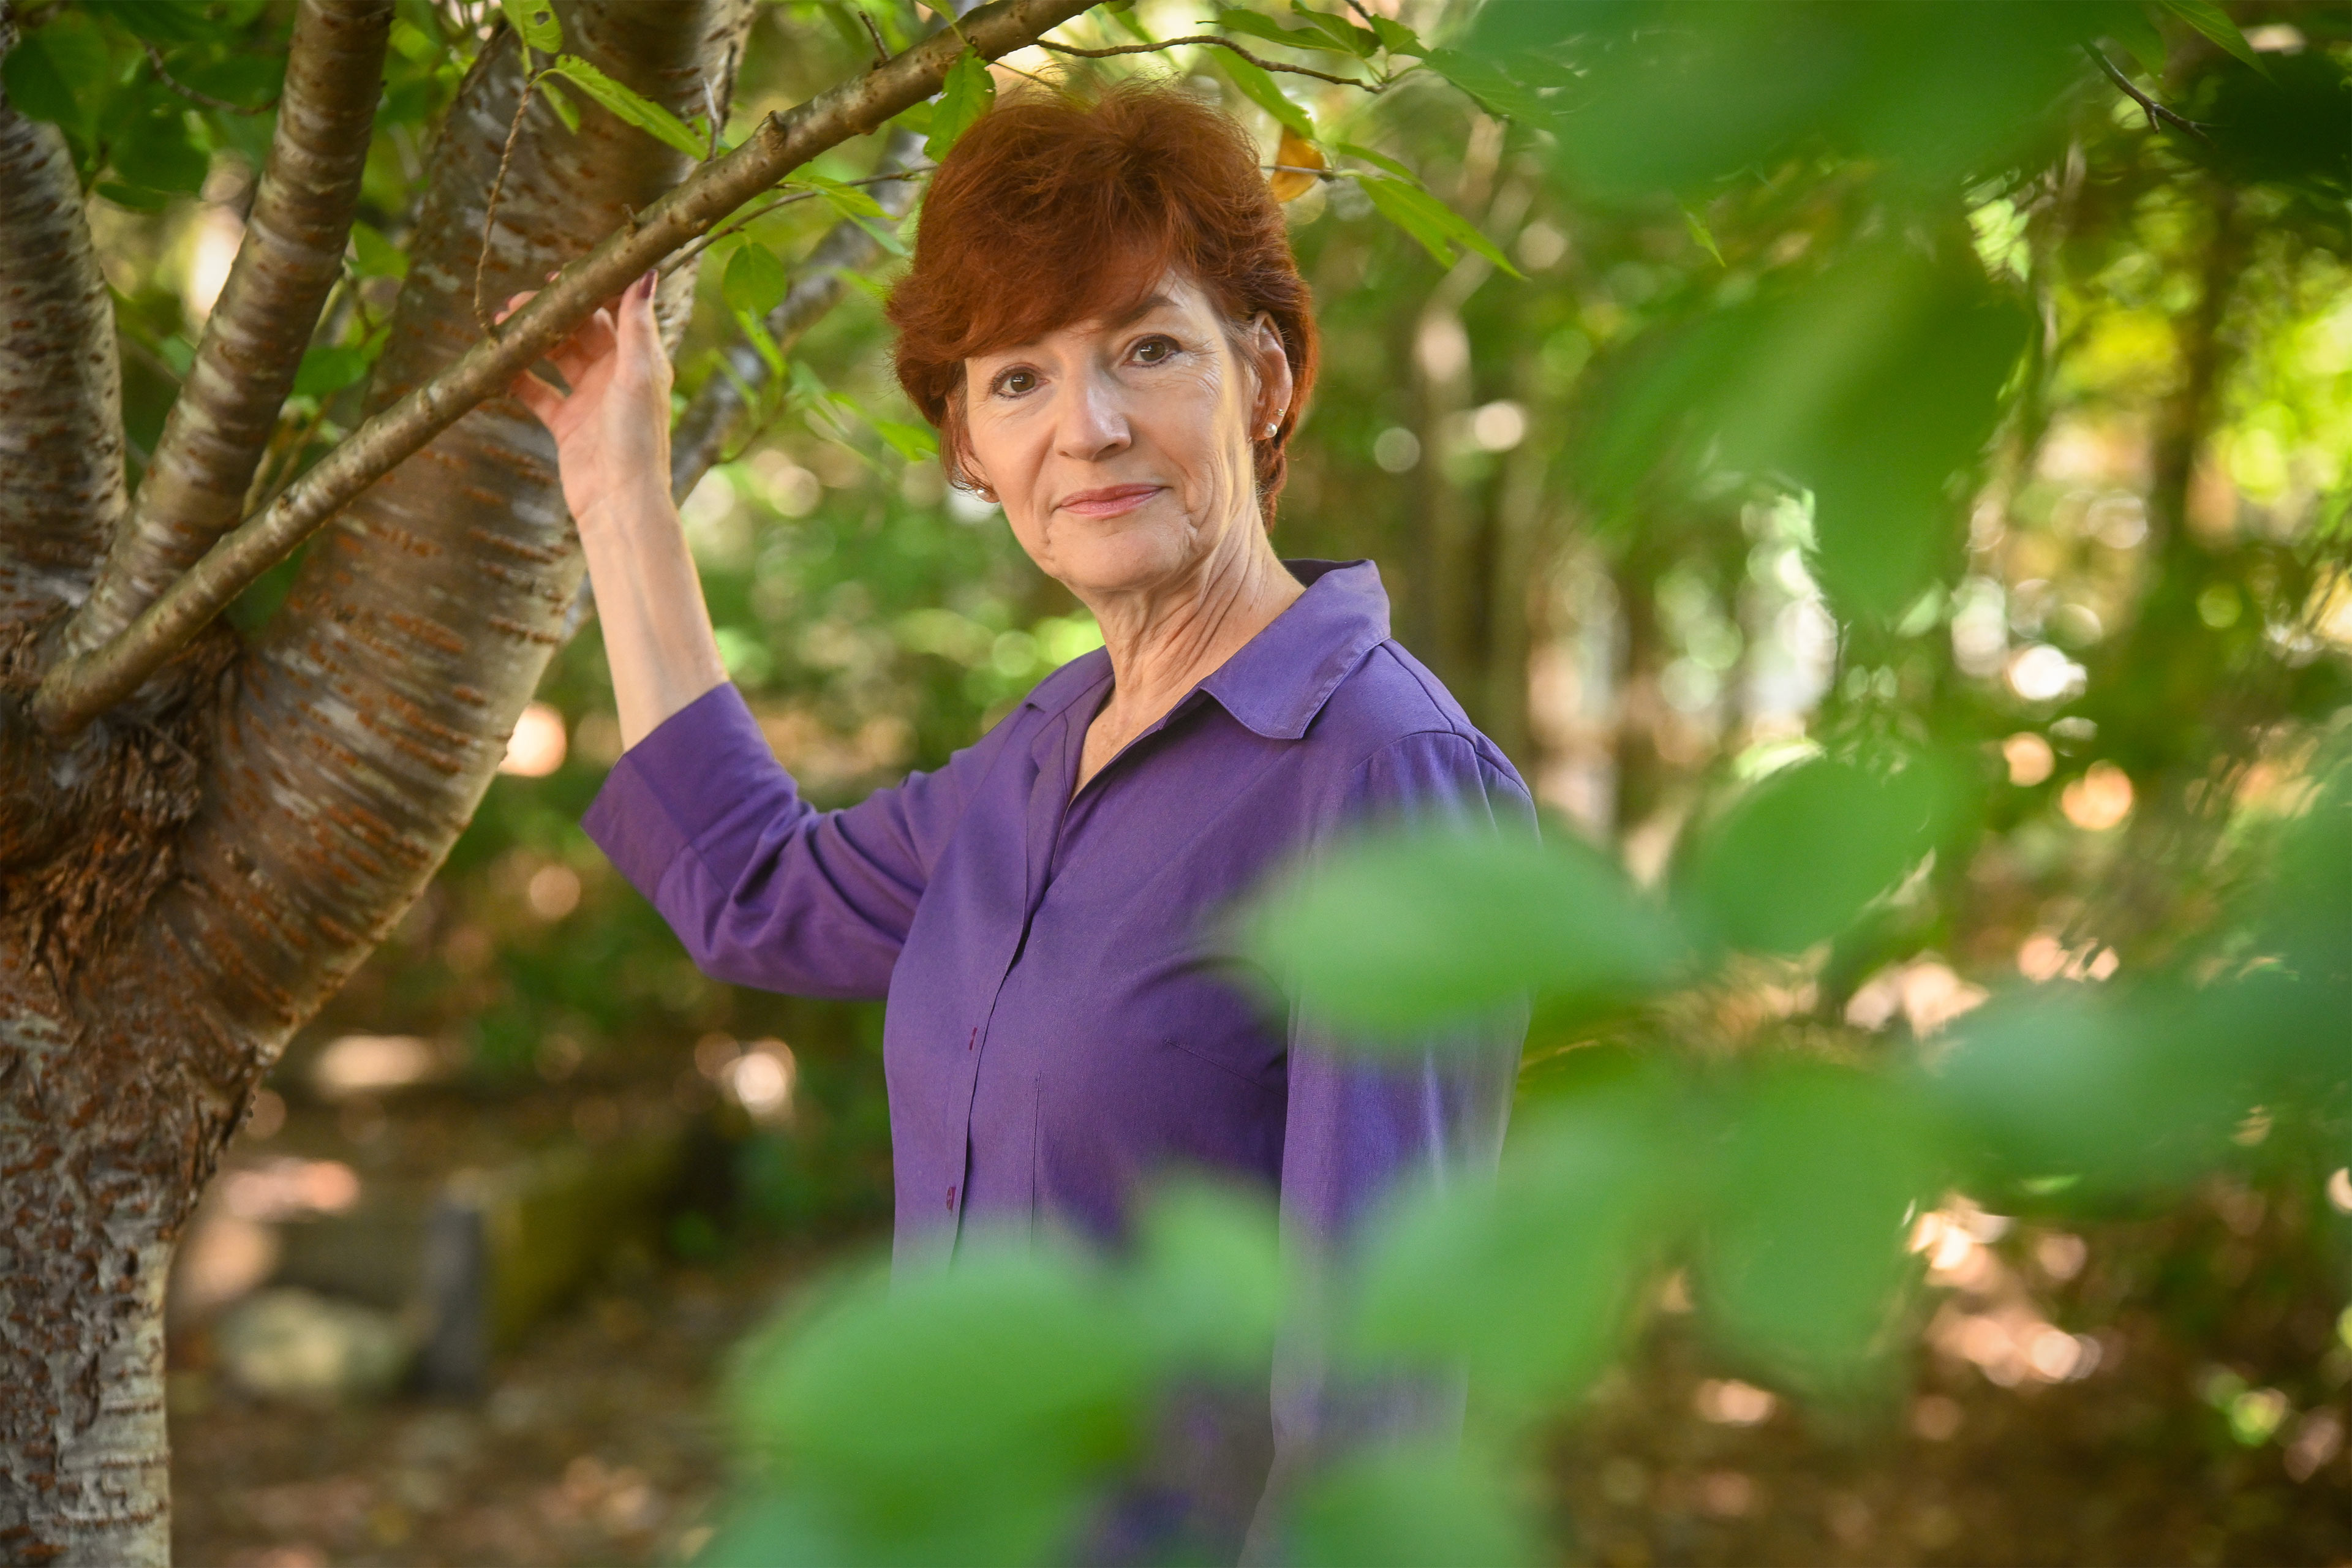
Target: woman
{"points": [[1104, 320]]}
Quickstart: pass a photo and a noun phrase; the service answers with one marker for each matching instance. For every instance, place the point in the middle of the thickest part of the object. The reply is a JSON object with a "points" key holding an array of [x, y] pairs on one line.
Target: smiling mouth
{"points": [[1111, 500]]}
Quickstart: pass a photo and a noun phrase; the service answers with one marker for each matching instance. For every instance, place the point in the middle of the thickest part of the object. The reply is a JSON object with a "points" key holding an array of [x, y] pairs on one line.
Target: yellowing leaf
{"points": [[1291, 158]]}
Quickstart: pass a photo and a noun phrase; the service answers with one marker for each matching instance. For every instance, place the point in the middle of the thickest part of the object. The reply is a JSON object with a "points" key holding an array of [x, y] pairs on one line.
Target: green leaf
{"points": [[43, 73], [1398, 38], [966, 95], [1437, 226], [1398, 932], [560, 102], [1260, 89], [376, 257], [164, 21], [1410, 1508], [1804, 1257], [534, 22], [2215, 24], [1798, 857], [329, 369], [755, 281], [1699, 231], [1378, 160], [138, 199], [912, 442], [847, 201], [916, 117], [1209, 1285], [1531, 1281], [1494, 91], [156, 150], [627, 105], [1258, 26], [2135, 30], [1351, 38]]}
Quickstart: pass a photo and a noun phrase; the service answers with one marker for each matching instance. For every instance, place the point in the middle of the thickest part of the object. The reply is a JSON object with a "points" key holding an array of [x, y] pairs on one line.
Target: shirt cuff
{"points": [[676, 785]]}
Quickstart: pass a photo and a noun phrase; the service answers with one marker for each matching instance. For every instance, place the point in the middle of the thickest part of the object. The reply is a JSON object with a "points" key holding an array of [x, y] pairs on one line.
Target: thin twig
{"points": [[1264, 65], [155, 58], [881, 50], [2158, 114], [688, 253], [490, 207]]}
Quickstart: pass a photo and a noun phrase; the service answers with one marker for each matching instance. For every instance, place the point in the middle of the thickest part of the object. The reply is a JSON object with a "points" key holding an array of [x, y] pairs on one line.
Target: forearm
{"points": [[656, 629]]}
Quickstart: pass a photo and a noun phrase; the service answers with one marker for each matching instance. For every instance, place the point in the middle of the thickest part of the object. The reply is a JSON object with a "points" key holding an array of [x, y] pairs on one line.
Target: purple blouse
{"points": [[1062, 1019]]}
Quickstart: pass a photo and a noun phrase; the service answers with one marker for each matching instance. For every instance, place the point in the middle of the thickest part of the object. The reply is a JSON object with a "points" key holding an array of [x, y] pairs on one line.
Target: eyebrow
{"points": [[1143, 308]]}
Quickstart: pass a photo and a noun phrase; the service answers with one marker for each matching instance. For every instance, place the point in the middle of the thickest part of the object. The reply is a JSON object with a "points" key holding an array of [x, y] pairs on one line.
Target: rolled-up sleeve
{"points": [[1361, 1122], [763, 889]]}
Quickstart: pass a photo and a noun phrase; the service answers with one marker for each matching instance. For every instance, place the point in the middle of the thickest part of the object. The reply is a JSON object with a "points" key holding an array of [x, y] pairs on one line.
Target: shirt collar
{"points": [[1281, 677]]}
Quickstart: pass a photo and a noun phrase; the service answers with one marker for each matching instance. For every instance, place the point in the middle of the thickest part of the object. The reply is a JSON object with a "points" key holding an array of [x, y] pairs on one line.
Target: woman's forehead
{"points": [[1170, 293]]}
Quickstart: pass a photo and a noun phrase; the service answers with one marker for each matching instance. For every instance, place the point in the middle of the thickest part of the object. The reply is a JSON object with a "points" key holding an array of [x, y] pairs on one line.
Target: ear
{"points": [[1264, 348]]}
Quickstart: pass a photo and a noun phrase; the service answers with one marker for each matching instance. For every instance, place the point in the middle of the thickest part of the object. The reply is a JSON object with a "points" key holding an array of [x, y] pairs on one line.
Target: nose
{"points": [[1094, 422]]}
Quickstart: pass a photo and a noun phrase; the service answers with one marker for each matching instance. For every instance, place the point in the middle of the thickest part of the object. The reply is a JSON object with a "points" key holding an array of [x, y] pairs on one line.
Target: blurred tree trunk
{"points": [[183, 881]]}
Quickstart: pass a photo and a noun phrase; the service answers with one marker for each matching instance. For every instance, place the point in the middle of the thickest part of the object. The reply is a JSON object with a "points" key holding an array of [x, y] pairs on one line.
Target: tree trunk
{"points": [[183, 882]]}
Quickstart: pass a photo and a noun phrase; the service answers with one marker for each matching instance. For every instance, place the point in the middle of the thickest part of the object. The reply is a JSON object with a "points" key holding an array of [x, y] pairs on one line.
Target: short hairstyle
{"points": [[1067, 205]]}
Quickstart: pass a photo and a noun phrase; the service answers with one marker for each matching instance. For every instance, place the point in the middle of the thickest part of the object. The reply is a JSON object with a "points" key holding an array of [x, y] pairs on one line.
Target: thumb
{"points": [[639, 330]]}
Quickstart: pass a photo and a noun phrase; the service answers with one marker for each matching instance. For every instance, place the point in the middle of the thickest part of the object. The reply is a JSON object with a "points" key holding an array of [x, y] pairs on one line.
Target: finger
{"points": [[640, 333], [515, 302], [537, 396]]}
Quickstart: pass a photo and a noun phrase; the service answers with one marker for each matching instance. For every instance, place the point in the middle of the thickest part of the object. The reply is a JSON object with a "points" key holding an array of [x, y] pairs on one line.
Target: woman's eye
{"points": [[1154, 351], [1016, 382]]}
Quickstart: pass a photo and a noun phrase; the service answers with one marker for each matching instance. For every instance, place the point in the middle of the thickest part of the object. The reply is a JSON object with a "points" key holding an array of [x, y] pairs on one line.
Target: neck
{"points": [[1165, 641]]}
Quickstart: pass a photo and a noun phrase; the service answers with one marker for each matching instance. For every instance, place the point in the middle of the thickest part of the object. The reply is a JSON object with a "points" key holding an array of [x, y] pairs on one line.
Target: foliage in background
{"points": [[1898, 516]]}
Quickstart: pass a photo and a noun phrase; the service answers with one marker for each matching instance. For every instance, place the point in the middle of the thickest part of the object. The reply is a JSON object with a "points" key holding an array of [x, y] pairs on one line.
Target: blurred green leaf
{"points": [[158, 152], [2215, 24], [1261, 90], [164, 22], [1411, 1508], [2123, 1087], [376, 257], [1402, 931], [914, 443], [963, 97], [1495, 89], [1435, 226], [953, 1414], [628, 106], [55, 72], [329, 369], [1395, 36], [1530, 1284], [1804, 1252], [535, 24], [755, 281], [2135, 30], [1209, 1285], [1798, 856]]}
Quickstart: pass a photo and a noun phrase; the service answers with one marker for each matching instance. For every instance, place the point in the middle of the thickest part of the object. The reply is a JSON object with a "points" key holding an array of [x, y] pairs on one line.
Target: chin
{"points": [[1111, 560]]}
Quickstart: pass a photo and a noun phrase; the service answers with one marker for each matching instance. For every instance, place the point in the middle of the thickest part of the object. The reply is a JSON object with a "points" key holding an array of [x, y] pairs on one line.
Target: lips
{"points": [[1110, 501]]}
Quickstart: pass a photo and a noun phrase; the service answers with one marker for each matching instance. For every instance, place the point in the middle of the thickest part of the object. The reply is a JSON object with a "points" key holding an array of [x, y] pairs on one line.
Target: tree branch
{"points": [[79, 687], [2158, 114], [60, 385], [222, 421], [1261, 64]]}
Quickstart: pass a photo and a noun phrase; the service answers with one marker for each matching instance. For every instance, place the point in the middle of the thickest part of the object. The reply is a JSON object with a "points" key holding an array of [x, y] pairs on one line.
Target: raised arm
{"points": [[611, 441]]}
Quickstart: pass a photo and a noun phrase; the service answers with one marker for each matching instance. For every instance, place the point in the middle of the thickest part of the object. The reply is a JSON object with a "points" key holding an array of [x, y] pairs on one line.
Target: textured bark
{"points": [[194, 488], [78, 689], [232, 841], [61, 389]]}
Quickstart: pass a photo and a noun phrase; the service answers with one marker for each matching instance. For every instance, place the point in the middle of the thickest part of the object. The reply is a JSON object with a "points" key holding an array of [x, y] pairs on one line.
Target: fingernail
{"points": [[645, 284]]}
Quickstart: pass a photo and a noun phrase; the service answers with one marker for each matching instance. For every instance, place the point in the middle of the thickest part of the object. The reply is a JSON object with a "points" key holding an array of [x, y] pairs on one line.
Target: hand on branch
{"points": [[612, 430]]}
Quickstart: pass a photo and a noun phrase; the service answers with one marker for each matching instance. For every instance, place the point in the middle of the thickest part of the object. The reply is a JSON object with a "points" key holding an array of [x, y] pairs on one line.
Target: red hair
{"points": [[1055, 208]]}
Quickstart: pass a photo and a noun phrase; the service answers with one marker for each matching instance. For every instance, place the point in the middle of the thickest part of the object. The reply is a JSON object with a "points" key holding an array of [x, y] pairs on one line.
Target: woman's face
{"points": [[1121, 449]]}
